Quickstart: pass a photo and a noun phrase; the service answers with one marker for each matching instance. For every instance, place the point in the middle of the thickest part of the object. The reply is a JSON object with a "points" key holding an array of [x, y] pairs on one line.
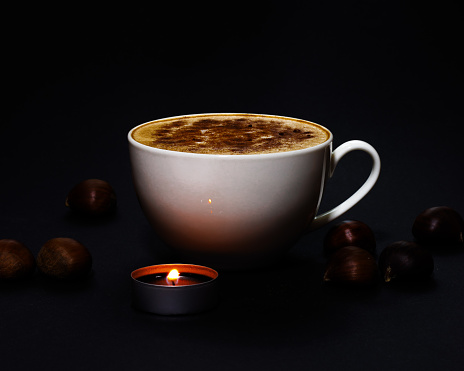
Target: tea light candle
{"points": [[172, 289]]}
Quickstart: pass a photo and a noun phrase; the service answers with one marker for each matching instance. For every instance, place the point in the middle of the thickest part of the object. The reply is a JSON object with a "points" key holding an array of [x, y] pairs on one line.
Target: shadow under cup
{"points": [[232, 211]]}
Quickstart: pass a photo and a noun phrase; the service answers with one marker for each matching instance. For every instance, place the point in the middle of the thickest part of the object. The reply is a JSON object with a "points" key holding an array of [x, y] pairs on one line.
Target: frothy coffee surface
{"points": [[230, 134]]}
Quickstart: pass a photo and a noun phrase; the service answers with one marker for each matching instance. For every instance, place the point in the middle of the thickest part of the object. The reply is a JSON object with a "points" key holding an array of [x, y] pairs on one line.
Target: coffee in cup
{"points": [[235, 191], [230, 135]]}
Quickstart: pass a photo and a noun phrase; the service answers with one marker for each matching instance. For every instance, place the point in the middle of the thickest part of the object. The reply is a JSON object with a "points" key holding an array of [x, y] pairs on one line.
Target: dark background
{"points": [[76, 79]]}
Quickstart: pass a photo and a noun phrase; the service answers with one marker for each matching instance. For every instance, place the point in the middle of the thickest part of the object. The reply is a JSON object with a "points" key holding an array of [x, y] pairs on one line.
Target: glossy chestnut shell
{"points": [[64, 259], [440, 225], [16, 260], [92, 197], [349, 233], [405, 261], [352, 265]]}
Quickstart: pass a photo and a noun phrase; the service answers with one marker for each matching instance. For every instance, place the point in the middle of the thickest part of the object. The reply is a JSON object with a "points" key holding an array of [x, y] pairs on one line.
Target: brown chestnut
{"points": [[16, 260], [349, 233], [92, 197], [440, 225], [64, 258], [405, 261], [353, 266]]}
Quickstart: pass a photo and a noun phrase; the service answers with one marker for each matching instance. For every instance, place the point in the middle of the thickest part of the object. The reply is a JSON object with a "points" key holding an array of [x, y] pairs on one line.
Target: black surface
{"points": [[78, 79]]}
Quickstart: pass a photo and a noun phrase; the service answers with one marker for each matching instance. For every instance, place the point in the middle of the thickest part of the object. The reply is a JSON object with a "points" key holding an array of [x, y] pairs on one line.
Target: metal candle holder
{"points": [[187, 296]]}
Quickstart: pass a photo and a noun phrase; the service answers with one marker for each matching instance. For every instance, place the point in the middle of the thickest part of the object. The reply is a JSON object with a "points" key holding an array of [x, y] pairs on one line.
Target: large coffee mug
{"points": [[239, 211]]}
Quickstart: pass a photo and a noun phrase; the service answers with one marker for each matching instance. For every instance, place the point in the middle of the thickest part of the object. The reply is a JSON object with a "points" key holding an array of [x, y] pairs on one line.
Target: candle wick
{"points": [[173, 283]]}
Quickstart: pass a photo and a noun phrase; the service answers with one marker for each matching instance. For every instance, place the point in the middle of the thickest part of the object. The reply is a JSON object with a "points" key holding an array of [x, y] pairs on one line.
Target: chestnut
{"points": [[92, 197], [349, 233], [353, 266], [405, 261], [16, 260], [439, 225], [64, 258]]}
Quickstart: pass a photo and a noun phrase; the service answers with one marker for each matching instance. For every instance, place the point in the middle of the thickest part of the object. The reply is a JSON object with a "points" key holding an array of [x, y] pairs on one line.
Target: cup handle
{"points": [[336, 156]]}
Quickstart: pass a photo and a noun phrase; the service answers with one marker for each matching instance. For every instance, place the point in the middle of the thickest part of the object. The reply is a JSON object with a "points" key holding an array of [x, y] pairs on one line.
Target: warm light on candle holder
{"points": [[172, 289]]}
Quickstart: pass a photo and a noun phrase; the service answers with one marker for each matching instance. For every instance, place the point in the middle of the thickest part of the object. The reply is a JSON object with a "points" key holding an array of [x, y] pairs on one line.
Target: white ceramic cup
{"points": [[239, 211]]}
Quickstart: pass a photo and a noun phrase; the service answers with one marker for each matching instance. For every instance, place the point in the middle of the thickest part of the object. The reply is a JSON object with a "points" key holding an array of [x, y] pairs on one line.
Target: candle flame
{"points": [[173, 276], [209, 201]]}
